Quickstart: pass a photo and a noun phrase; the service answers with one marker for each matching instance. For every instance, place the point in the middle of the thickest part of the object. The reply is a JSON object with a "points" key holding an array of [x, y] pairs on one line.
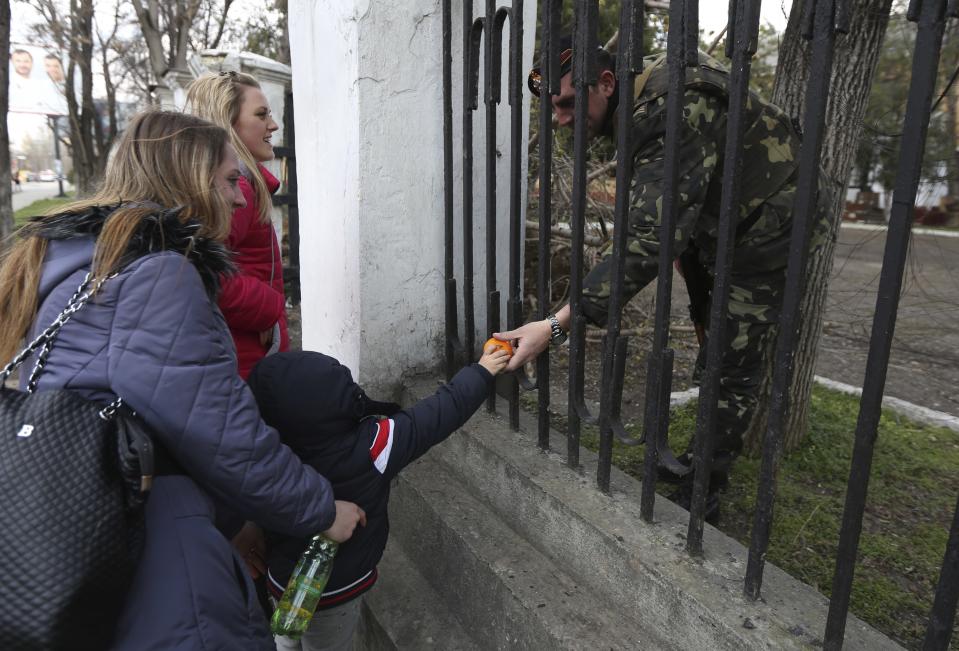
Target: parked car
{"points": [[46, 176]]}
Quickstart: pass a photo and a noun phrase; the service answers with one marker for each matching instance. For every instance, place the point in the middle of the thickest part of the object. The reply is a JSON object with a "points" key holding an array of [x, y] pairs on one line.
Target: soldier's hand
{"points": [[528, 342]]}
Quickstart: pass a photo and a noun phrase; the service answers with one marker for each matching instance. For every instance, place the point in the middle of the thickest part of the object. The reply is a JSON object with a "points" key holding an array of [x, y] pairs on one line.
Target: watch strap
{"points": [[557, 334]]}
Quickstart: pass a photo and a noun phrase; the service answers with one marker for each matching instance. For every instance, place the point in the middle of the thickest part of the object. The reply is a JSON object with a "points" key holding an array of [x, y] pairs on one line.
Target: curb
{"points": [[937, 232], [917, 413]]}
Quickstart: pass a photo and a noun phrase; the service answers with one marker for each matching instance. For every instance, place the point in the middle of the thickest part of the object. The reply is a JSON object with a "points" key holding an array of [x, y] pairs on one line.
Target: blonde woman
{"points": [[252, 301], [154, 337]]}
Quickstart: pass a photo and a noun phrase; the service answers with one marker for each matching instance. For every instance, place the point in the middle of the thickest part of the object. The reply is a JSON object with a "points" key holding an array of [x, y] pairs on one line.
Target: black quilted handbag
{"points": [[74, 476]]}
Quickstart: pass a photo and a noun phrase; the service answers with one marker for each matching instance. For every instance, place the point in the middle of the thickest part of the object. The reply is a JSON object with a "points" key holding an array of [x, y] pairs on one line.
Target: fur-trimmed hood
{"points": [[159, 231]]}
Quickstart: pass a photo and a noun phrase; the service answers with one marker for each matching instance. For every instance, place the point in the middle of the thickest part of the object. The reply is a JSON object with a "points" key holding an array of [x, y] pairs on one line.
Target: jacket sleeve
{"points": [[171, 360], [704, 122], [397, 441], [247, 302]]}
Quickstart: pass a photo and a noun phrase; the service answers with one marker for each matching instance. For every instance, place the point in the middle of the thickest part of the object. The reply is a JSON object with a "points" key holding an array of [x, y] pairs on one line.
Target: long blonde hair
{"points": [[219, 98], [164, 158]]}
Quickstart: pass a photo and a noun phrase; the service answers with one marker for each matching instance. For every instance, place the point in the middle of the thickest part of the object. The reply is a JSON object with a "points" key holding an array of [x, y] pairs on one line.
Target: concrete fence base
{"points": [[498, 545]]}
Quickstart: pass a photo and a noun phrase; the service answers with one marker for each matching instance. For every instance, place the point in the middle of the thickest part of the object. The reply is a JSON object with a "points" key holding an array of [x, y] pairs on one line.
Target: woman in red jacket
{"points": [[252, 301]]}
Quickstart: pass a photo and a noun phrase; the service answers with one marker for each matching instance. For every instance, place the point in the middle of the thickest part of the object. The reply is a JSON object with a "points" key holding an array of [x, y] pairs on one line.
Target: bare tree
{"points": [[171, 30], [212, 25], [170, 20], [284, 51], [853, 68], [91, 130], [6, 201]]}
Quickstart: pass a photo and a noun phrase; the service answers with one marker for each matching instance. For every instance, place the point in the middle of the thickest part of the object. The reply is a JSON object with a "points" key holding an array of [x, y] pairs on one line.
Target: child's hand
{"points": [[494, 359]]}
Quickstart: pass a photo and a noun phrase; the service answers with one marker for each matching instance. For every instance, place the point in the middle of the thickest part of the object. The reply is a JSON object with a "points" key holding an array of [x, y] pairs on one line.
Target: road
{"points": [[35, 191], [924, 364]]}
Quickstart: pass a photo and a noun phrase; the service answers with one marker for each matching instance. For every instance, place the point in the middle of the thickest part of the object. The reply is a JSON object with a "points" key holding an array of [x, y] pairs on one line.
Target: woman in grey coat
{"points": [[154, 337]]}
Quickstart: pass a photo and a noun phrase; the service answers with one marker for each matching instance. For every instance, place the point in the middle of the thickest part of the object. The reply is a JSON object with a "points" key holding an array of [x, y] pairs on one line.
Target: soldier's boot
{"points": [[683, 497], [718, 481], [717, 477]]}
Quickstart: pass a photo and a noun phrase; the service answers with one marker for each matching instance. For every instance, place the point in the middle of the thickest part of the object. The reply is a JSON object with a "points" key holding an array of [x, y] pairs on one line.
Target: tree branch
{"points": [[219, 32]]}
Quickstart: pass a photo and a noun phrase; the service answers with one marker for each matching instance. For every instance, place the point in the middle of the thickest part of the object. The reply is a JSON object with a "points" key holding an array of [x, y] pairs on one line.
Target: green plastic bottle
{"points": [[295, 609]]}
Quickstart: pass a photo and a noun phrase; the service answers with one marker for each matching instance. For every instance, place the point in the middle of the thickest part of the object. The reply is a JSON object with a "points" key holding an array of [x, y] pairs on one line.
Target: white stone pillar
{"points": [[368, 91], [171, 92]]}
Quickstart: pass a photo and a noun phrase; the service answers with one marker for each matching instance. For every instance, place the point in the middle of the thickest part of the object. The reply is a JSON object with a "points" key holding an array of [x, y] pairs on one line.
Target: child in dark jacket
{"points": [[359, 445]]}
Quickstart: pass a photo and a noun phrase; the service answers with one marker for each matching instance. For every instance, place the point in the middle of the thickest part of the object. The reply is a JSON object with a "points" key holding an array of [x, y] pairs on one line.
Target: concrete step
{"points": [[404, 612], [506, 593], [602, 544]]}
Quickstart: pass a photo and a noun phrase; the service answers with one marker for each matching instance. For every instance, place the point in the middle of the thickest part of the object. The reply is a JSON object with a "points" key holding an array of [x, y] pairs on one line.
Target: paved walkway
{"points": [[924, 364], [31, 192]]}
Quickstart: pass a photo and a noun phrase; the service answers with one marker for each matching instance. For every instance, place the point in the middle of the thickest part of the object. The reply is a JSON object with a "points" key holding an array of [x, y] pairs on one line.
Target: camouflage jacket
{"points": [[769, 171]]}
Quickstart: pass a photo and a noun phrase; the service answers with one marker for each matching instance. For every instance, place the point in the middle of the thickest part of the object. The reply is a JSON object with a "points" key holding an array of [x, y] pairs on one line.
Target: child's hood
{"points": [[310, 398]]}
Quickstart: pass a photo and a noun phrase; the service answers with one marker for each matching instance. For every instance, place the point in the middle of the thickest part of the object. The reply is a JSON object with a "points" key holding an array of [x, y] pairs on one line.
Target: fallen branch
{"points": [[563, 231], [600, 171], [597, 334]]}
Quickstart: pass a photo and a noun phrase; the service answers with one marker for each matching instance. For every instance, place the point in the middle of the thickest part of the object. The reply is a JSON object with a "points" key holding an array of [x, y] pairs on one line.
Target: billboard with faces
{"points": [[37, 78]]}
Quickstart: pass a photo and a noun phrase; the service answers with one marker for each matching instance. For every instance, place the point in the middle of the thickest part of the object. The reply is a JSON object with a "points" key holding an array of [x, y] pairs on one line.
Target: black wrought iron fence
{"points": [[287, 154], [822, 21]]}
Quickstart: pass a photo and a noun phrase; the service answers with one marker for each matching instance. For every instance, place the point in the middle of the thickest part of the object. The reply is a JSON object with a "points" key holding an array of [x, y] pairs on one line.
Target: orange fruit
{"points": [[499, 343]]}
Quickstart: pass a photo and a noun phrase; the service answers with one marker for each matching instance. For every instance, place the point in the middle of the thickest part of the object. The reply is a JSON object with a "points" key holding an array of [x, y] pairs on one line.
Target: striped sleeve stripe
{"points": [[382, 444]]}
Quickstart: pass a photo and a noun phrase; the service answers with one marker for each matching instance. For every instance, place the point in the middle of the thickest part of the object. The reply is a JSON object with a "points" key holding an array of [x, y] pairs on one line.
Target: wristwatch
{"points": [[557, 334]]}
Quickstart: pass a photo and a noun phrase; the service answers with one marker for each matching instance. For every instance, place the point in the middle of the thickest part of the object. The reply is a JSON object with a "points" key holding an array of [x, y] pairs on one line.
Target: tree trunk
{"points": [[149, 19], [82, 114], [854, 64], [284, 53], [6, 201]]}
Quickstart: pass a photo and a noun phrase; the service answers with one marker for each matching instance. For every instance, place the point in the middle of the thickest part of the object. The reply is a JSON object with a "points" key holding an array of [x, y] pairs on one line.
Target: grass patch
{"points": [[40, 207], [911, 500]]}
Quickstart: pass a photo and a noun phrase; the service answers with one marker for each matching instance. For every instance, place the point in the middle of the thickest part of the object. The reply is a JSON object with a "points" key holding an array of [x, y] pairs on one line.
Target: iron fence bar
{"points": [[808, 18], [691, 32], [514, 310], [804, 208], [472, 35], [628, 62], [943, 613], [843, 16], [492, 69], [453, 346], [549, 26], [584, 75], [659, 363], [744, 35], [293, 207], [913, 10], [931, 18]]}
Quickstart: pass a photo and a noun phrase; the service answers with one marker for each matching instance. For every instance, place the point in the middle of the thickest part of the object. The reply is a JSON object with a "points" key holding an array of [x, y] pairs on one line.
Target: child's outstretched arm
{"points": [[397, 441]]}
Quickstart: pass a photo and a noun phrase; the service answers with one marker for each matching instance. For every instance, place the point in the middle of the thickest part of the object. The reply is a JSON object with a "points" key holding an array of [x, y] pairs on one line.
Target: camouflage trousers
{"points": [[740, 378]]}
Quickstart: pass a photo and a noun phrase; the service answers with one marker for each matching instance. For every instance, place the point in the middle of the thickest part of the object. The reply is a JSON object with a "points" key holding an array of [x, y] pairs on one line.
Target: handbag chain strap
{"points": [[45, 340], [48, 335]]}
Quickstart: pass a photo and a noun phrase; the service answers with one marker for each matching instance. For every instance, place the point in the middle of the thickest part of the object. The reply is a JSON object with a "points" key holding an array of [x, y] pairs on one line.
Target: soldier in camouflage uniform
{"points": [[769, 174]]}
